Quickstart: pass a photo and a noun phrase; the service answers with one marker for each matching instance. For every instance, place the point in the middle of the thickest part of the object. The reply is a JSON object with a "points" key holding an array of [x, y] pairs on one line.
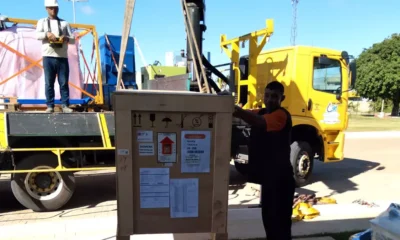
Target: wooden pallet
{"points": [[9, 104]]}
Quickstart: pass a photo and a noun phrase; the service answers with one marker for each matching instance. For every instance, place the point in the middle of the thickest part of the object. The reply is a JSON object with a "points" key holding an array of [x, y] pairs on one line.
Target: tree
{"points": [[378, 72]]}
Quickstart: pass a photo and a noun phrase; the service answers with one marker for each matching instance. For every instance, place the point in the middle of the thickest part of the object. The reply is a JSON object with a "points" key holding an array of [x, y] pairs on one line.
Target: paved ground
{"points": [[370, 172]]}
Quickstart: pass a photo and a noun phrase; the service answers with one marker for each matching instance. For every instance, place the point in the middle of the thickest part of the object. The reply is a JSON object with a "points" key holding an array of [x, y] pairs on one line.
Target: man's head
{"points": [[51, 7], [274, 95]]}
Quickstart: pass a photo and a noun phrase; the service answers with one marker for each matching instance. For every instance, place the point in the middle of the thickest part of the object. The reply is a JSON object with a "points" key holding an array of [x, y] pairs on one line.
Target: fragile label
{"points": [[146, 149], [166, 147], [144, 136]]}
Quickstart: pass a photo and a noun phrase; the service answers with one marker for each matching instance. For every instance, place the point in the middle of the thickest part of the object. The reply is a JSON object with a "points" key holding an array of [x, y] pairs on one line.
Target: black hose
{"points": [[213, 85], [210, 67]]}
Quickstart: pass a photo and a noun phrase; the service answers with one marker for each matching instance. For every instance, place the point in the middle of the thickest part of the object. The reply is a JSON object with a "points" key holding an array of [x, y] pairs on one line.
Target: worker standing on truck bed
{"points": [[269, 160], [55, 34]]}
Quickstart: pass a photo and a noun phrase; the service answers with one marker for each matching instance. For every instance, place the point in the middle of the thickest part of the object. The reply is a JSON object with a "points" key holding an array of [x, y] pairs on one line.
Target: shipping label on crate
{"points": [[144, 136], [154, 187], [146, 149], [166, 147], [184, 198], [195, 151]]}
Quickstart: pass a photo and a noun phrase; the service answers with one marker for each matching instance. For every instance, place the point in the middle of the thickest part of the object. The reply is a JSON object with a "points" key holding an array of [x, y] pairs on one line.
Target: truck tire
{"points": [[42, 192], [302, 160]]}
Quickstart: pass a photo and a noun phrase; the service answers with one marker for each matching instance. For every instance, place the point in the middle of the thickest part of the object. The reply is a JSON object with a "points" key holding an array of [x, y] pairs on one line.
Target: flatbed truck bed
{"points": [[42, 151]]}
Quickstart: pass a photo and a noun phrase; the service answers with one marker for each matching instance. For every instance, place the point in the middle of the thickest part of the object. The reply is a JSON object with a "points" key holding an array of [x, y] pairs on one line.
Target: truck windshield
{"points": [[327, 78]]}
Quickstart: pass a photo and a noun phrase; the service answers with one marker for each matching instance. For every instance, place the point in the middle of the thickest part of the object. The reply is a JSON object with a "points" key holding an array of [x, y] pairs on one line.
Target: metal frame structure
{"points": [[255, 48], [84, 29], [97, 99]]}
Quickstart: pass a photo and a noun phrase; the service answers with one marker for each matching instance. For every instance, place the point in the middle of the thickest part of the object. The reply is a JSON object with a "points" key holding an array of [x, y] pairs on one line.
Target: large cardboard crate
{"points": [[172, 160]]}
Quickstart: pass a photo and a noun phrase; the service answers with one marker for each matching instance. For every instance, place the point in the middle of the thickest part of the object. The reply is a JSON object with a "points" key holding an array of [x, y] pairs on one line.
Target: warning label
{"points": [[196, 151], [146, 149], [167, 147]]}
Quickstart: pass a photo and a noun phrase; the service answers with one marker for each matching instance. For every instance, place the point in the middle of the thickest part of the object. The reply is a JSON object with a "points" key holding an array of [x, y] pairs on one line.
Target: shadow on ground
{"points": [[97, 192], [340, 229], [337, 176], [252, 229], [91, 191]]}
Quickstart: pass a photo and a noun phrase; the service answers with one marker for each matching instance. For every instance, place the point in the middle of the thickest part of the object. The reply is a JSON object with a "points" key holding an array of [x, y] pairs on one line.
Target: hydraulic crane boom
{"points": [[194, 14], [195, 17]]}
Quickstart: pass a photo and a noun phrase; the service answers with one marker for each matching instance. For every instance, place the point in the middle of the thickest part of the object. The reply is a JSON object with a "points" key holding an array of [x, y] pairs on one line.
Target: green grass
{"points": [[336, 236], [343, 236], [370, 123]]}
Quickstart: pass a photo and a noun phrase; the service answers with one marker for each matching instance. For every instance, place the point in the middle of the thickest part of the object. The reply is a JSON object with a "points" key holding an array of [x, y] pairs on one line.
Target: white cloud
{"points": [[88, 10]]}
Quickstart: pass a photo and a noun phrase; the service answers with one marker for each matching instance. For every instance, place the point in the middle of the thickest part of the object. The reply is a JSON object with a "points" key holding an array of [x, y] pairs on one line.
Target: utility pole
{"points": [[294, 24], [73, 6]]}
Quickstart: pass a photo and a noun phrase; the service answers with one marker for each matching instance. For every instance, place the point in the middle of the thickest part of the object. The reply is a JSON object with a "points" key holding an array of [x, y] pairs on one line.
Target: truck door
{"points": [[326, 82]]}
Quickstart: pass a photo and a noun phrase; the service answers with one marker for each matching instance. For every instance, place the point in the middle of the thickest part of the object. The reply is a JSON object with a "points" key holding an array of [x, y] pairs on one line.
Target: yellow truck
{"points": [[43, 151], [317, 83]]}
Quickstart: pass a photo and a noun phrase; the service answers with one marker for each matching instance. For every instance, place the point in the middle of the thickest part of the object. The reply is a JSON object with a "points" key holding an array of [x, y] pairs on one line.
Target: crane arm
{"points": [[126, 29], [195, 19]]}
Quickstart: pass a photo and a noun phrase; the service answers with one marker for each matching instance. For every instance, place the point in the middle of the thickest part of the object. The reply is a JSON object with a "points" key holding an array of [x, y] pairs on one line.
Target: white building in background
{"points": [[139, 80], [169, 59]]}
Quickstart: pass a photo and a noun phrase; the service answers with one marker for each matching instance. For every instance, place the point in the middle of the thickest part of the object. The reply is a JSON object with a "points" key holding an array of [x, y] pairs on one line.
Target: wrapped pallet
{"points": [[387, 225], [21, 72]]}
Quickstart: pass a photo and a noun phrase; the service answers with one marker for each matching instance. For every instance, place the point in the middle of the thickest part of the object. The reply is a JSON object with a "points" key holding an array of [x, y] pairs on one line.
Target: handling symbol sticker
{"points": [[210, 121], [152, 119], [166, 120], [196, 122], [183, 116], [137, 120]]}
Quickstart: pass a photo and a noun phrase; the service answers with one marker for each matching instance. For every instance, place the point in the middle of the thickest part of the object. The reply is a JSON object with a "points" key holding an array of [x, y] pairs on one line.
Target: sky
{"points": [[158, 25]]}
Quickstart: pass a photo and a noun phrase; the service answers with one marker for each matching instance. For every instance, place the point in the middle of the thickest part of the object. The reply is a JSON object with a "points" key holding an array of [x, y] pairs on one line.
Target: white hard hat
{"points": [[50, 3]]}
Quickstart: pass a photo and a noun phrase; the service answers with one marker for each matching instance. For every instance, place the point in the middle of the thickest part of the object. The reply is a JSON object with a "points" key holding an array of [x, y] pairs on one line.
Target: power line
{"points": [[294, 24]]}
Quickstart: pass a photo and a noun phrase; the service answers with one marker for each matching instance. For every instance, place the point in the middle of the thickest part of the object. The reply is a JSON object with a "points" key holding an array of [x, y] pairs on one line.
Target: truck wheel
{"points": [[41, 192], [302, 159], [242, 168]]}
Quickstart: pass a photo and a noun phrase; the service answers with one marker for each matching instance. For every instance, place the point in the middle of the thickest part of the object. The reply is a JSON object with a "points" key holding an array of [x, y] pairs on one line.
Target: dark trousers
{"points": [[276, 208], [56, 67]]}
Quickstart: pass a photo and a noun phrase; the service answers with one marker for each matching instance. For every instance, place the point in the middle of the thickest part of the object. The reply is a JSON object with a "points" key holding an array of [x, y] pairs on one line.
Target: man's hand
{"points": [[65, 39], [238, 108], [236, 111], [250, 117], [51, 36]]}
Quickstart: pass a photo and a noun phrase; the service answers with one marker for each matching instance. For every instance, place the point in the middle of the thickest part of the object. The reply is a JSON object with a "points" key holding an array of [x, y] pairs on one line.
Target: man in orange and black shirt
{"points": [[269, 160]]}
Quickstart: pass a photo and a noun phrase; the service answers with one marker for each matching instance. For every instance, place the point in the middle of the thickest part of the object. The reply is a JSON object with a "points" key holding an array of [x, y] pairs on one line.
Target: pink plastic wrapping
{"points": [[30, 84]]}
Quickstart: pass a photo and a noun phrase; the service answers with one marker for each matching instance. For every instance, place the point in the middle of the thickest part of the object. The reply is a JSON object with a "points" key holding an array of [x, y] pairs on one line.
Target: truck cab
{"points": [[317, 82]]}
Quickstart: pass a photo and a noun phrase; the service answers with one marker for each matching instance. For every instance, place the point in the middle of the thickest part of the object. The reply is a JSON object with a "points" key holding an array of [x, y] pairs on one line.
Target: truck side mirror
{"points": [[345, 55], [353, 70]]}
